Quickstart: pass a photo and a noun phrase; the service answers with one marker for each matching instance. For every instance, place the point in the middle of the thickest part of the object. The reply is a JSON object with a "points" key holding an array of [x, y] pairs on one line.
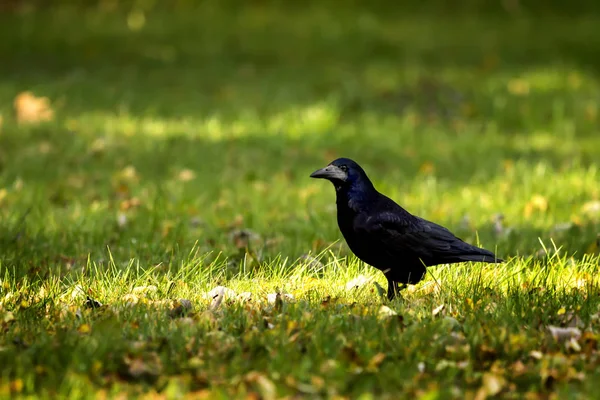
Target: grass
{"points": [[178, 160]]}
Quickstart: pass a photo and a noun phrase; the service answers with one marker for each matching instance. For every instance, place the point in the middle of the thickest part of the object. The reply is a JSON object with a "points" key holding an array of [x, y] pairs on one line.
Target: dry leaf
{"points": [[217, 300], [427, 168], [144, 289], [220, 290], [147, 368], [537, 203], [437, 310], [492, 384], [560, 334], [375, 361], [84, 328], [272, 297], [386, 312], [518, 87], [130, 298], [30, 109], [121, 220], [591, 207], [186, 175], [265, 385], [180, 308], [357, 282], [538, 355], [244, 296]]}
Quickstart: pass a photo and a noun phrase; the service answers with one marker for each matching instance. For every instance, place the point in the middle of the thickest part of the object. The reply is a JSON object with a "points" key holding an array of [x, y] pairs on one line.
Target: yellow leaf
{"points": [[492, 384], [386, 312], [508, 165], [536, 354], [375, 361], [537, 203], [129, 173], [30, 109], [84, 328], [591, 112], [469, 303], [186, 175], [16, 386], [561, 311], [317, 382], [574, 80], [518, 87], [427, 168], [437, 310]]}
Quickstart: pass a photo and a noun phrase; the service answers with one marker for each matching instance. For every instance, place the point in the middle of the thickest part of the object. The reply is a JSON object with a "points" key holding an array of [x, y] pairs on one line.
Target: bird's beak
{"points": [[330, 172]]}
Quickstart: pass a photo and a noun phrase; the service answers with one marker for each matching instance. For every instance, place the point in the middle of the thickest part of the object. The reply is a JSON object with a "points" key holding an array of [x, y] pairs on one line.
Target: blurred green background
{"points": [[190, 125]]}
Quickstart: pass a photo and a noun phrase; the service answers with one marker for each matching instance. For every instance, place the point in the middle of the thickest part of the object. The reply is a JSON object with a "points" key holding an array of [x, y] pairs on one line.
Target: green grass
{"points": [[180, 133]]}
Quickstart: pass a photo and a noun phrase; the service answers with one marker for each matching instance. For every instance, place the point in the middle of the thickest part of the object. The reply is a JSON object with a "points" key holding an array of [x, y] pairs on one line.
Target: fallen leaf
{"points": [[180, 308], [357, 282], [16, 386], [186, 175], [538, 355], [518, 87], [437, 310], [244, 296], [121, 220], [375, 361], [591, 207], [147, 367], [265, 386], [537, 203], [220, 290], [573, 345], [144, 289], [386, 312], [427, 168], [216, 301], [77, 292], [8, 317], [561, 334], [84, 328], [491, 385], [130, 298], [272, 297], [30, 109]]}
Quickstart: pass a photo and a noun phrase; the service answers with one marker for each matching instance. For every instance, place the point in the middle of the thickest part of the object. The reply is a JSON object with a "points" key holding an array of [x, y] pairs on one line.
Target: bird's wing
{"points": [[407, 234]]}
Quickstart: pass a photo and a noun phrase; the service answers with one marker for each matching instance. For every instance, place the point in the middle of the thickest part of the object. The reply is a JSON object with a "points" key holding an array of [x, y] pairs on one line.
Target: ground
{"points": [[171, 158]]}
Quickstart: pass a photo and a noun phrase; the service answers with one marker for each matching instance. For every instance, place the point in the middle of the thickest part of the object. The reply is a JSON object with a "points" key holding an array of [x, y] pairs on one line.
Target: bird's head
{"points": [[343, 173]]}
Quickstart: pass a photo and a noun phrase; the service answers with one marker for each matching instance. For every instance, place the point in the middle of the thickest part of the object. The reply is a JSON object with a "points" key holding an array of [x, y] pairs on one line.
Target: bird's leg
{"points": [[394, 289]]}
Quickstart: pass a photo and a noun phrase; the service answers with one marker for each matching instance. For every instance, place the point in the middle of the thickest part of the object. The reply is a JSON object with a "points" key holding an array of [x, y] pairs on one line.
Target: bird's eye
{"points": [[344, 168]]}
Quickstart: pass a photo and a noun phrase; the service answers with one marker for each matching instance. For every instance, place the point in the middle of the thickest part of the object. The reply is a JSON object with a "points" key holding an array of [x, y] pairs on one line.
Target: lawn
{"points": [[160, 235]]}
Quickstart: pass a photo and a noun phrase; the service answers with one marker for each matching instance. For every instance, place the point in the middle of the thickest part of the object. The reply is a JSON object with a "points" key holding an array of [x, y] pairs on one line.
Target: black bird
{"points": [[386, 236]]}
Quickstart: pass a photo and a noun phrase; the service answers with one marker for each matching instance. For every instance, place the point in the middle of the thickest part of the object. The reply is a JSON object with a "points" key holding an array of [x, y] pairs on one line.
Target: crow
{"points": [[386, 236]]}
